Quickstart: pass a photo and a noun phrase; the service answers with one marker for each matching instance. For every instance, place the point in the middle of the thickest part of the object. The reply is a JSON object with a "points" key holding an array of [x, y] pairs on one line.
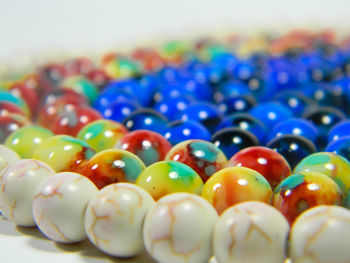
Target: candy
{"points": [[303, 190], [168, 177], [233, 185], [114, 219], [201, 156], [102, 134], [26, 139], [112, 166], [330, 164], [321, 234], [149, 146], [59, 205], [267, 162], [63, 153], [251, 232], [17, 189], [179, 229]]}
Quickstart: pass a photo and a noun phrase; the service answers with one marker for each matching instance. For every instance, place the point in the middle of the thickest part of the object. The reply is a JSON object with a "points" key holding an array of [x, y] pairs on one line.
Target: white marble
{"points": [[18, 185], [7, 157], [321, 235], [114, 219], [59, 206], [179, 229], [251, 232]]}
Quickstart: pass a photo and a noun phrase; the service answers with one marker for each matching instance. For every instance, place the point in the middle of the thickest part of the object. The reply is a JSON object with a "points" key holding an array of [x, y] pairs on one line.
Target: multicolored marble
{"points": [[168, 177], [321, 234], [7, 108], [82, 85], [150, 147], [233, 185], [63, 153], [330, 164], [17, 189], [179, 229], [10, 123], [267, 162], [7, 157], [25, 140], [114, 219], [9, 97], [304, 190], [102, 134], [59, 206], [251, 232], [112, 166], [202, 156]]}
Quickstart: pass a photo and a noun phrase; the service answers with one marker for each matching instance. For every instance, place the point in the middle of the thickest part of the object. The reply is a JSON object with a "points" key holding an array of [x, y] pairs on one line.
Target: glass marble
{"points": [[237, 103], [166, 177], [233, 185], [50, 76], [112, 166], [80, 65], [267, 162], [25, 140], [150, 147], [11, 123], [339, 130], [330, 164], [170, 107], [73, 118], [324, 118], [102, 134], [296, 101], [292, 147], [63, 153], [28, 95], [202, 156], [304, 190], [81, 85], [9, 97], [119, 110], [340, 146], [120, 67], [7, 108], [232, 140], [271, 113], [7, 157], [146, 119], [246, 122], [295, 126], [204, 113], [98, 77]]}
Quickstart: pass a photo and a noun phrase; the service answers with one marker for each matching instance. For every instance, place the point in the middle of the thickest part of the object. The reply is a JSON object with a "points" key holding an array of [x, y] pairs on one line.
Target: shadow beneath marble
{"points": [[31, 231], [7, 228], [42, 245]]}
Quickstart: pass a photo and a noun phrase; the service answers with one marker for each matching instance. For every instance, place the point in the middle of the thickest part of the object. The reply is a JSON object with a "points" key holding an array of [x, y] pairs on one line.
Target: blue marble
{"points": [[295, 100], [179, 131], [340, 146], [119, 110], [236, 103], [170, 107], [339, 130]]}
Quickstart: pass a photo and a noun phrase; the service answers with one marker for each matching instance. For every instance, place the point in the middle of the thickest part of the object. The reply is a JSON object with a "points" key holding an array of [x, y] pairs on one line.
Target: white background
{"points": [[31, 27]]}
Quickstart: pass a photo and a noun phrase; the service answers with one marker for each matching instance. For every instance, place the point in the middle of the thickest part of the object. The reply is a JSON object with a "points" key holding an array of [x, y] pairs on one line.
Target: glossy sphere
{"points": [[303, 190], [246, 122], [271, 113], [168, 177], [179, 131], [233, 185], [6, 108], [339, 130], [18, 185], [330, 164], [146, 119], [321, 234], [265, 161], [112, 166], [172, 232], [170, 107], [102, 134], [237, 103], [119, 110], [9, 97], [63, 152], [11, 123], [294, 100], [202, 156], [59, 205], [73, 118], [7, 157], [114, 219], [81, 85], [29, 96], [26, 139], [340, 146], [324, 118], [203, 113], [149, 146], [251, 225], [295, 126], [292, 147], [232, 140]]}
